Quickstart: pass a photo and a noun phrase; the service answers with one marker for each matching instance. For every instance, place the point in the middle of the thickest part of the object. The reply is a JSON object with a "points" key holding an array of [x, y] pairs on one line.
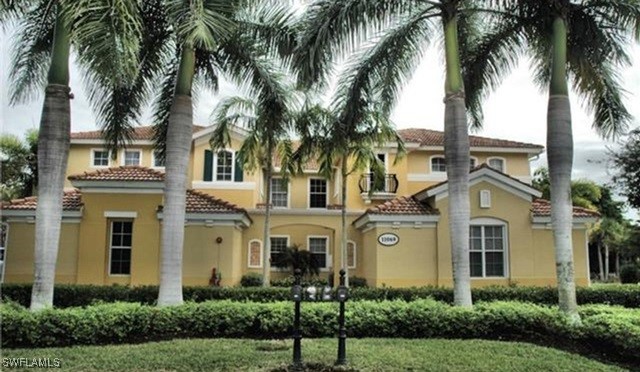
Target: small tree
{"points": [[295, 258], [19, 165]]}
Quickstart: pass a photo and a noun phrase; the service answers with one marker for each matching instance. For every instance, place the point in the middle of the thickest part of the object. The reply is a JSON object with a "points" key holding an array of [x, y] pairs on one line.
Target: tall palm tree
{"points": [[397, 33], [577, 41], [189, 45], [268, 118], [47, 30]]}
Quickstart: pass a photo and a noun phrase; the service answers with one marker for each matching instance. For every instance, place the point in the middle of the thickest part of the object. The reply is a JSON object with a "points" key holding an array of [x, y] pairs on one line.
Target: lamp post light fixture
{"points": [[343, 295]]}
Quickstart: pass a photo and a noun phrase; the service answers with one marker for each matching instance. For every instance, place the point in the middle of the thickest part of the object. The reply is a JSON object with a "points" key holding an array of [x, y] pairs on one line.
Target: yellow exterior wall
{"points": [[93, 255], [19, 255]]}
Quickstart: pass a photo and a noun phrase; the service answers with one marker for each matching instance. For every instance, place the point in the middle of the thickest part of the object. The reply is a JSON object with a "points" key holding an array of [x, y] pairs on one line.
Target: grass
{"points": [[363, 355]]}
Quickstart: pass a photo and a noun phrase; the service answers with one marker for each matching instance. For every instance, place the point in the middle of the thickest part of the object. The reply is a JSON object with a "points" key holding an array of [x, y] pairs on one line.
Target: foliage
{"points": [[367, 354], [19, 165], [630, 273], [610, 330], [68, 295], [357, 282], [584, 193], [295, 258], [305, 282], [251, 280], [627, 162]]}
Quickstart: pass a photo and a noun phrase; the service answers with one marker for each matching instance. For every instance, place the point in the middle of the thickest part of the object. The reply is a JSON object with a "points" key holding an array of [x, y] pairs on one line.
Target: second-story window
{"points": [[100, 158], [317, 193], [224, 166], [132, 157], [158, 162], [279, 193], [496, 163], [438, 164], [472, 163]]}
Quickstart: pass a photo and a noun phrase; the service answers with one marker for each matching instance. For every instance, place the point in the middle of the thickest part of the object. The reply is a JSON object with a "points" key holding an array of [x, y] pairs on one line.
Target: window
{"points": [[317, 193], [487, 251], [255, 254], [132, 157], [318, 249], [278, 246], [438, 164], [279, 193], [472, 163], [351, 255], [158, 162], [100, 158], [224, 166], [120, 249], [497, 164]]}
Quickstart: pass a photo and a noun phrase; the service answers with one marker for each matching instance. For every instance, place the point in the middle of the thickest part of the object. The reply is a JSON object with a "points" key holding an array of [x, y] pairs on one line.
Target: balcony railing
{"points": [[387, 185]]}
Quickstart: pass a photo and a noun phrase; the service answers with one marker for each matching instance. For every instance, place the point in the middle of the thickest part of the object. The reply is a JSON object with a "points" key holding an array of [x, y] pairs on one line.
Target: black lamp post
{"points": [[343, 295], [296, 293]]}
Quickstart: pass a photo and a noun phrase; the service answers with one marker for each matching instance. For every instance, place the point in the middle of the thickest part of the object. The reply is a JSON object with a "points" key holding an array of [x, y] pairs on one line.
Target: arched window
{"points": [[497, 164], [255, 254], [438, 164]]}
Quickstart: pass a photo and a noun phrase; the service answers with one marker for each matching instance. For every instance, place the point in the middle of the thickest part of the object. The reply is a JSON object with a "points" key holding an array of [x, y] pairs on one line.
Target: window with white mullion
{"points": [[487, 251], [318, 249], [224, 166], [120, 247], [279, 193]]}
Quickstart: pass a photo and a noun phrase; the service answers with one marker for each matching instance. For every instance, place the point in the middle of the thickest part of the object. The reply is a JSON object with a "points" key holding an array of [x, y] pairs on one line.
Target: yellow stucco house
{"points": [[398, 234]]}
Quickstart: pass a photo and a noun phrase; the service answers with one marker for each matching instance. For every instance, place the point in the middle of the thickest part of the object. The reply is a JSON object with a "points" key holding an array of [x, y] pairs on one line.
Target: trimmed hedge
{"points": [[82, 295], [613, 332]]}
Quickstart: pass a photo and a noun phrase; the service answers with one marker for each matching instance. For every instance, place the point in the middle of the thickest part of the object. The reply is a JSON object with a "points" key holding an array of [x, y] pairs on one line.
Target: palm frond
{"points": [[232, 111], [162, 107], [32, 53], [202, 23], [333, 28], [13, 10]]}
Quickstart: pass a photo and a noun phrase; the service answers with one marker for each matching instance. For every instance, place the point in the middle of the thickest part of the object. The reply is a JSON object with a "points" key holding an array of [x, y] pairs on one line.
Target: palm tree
{"points": [[268, 117], [397, 33], [581, 40], [46, 32], [188, 45]]}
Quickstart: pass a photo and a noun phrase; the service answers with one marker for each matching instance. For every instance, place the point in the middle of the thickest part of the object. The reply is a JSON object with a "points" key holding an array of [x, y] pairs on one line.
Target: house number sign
{"points": [[388, 239]]}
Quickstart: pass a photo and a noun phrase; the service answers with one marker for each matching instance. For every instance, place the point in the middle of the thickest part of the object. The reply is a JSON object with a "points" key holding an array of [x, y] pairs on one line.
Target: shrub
{"points": [[251, 280], [630, 273], [82, 295], [357, 282], [611, 331], [305, 282]]}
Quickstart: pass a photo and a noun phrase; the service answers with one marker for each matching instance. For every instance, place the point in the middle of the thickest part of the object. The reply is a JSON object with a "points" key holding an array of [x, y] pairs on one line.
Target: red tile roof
{"points": [[403, 205], [542, 208], [139, 133], [71, 201], [427, 137], [123, 173], [199, 202]]}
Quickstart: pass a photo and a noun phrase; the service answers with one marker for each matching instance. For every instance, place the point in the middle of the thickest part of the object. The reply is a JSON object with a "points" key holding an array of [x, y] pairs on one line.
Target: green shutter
{"points": [[208, 166], [238, 174]]}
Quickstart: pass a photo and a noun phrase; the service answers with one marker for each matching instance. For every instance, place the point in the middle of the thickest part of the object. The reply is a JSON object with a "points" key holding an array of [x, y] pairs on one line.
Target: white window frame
{"points": [[328, 259], [355, 255], [249, 254], [279, 179], [111, 246], [485, 199], [153, 161], [124, 157], [431, 164], [273, 268], [485, 222], [504, 163], [93, 158], [326, 203], [215, 165]]}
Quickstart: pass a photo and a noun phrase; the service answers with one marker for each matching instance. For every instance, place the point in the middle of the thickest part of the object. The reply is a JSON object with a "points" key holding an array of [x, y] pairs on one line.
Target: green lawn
{"points": [[363, 354]]}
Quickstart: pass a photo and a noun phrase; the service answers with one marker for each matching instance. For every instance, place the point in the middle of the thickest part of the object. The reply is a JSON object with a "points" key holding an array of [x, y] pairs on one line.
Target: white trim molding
{"points": [[223, 185], [121, 214], [368, 221], [259, 266], [92, 158]]}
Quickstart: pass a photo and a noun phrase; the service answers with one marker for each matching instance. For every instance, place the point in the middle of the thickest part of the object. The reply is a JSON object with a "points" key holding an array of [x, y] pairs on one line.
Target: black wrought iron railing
{"points": [[387, 184]]}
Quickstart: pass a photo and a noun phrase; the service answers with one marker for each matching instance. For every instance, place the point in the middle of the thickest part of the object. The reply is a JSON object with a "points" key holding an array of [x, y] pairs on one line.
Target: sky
{"points": [[516, 111]]}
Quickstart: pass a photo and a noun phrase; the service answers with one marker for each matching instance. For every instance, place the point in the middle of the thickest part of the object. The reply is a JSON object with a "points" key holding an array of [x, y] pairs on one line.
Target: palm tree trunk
{"points": [[600, 264], [606, 262], [560, 155], [266, 268], [618, 264], [344, 258], [53, 152], [178, 149], [456, 146]]}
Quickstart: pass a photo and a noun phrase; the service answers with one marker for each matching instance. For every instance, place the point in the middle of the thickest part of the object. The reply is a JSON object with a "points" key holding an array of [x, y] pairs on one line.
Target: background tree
{"points": [[581, 40], [627, 163], [19, 165], [584, 193], [394, 35], [46, 30], [268, 117]]}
